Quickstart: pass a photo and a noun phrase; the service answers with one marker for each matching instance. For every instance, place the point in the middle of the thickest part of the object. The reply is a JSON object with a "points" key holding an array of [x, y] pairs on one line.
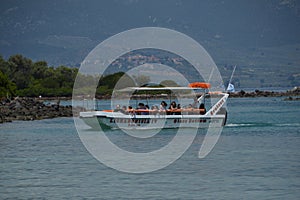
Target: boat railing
{"points": [[161, 112]]}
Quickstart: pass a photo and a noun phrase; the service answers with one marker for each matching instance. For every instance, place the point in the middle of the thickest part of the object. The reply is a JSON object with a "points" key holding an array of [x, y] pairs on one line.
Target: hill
{"points": [[260, 36]]}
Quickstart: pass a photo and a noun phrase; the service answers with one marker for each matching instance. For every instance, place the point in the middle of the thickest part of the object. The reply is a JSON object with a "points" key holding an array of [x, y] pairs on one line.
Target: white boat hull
{"points": [[122, 121]]}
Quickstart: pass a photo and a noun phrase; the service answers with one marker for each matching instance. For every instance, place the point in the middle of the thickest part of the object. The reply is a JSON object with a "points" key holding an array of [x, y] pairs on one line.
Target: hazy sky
{"points": [[64, 31]]}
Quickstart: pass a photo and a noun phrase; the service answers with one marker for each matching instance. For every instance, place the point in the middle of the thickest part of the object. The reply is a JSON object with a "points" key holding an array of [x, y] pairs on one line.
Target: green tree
{"points": [[7, 88], [38, 69], [20, 70], [114, 81], [3, 66], [20, 76], [65, 76]]}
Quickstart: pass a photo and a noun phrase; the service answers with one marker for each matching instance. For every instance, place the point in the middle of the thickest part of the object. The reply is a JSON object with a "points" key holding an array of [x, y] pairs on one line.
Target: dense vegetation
{"points": [[20, 76]]}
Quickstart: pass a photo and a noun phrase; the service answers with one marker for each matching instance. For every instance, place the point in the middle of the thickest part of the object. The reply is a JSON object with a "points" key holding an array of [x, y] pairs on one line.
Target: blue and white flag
{"points": [[230, 88]]}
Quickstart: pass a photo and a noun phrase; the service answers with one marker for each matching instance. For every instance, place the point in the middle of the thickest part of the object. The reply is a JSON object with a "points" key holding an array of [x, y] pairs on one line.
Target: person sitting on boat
{"points": [[172, 108], [178, 109], [124, 110], [154, 109], [202, 109], [142, 109], [163, 107], [118, 108], [139, 108], [130, 110]]}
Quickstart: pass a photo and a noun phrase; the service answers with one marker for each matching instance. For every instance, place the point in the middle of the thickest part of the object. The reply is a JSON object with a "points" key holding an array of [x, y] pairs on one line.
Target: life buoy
{"points": [[199, 85], [107, 110]]}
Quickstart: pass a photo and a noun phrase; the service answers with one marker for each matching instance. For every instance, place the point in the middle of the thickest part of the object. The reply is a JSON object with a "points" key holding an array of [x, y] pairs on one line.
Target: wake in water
{"points": [[235, 125]]}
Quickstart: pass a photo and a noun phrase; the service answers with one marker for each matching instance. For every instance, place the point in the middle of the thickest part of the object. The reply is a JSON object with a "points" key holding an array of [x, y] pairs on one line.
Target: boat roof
{"points": [[155, 87], [130, 89]]}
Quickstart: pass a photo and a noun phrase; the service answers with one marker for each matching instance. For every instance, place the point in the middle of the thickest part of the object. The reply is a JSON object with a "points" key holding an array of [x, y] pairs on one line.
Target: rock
{"points": [[258, 93], [31, 109], [292, 99]]}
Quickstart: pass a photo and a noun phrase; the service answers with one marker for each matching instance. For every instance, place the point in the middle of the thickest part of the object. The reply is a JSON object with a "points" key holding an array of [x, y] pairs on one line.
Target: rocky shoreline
{"points": [[27, 109], [258, 93]]}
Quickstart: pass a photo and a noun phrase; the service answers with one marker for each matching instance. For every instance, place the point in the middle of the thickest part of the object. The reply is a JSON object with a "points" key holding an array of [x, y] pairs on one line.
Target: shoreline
{"points": [[260, 93], [31, 108], [28, 109]]}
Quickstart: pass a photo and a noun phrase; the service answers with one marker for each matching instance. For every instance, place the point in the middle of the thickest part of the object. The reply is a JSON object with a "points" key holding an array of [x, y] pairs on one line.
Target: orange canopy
{"points": [[199, 85]]}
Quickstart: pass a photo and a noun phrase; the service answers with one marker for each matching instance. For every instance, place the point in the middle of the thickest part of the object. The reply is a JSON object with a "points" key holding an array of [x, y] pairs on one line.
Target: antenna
{"points": [[232, 74], [230, 87]]}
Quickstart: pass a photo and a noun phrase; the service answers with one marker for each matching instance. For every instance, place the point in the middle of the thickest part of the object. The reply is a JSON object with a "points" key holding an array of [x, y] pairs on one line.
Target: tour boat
{"points": [[185, 116]]}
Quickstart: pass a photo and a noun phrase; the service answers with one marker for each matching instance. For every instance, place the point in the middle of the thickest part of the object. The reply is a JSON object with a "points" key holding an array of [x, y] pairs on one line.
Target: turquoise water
{"points": [[256, 157]]}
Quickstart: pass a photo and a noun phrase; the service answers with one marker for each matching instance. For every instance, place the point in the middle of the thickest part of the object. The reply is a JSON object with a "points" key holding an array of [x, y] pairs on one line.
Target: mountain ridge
{"points": [[258, 34]]}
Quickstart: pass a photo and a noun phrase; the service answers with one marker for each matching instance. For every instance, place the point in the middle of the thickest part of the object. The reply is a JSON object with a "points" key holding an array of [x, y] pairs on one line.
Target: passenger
{"points": [[172, 108], [178, 112], [124, 110], [142, 109], [118, 108], [154, 109], [130, 110], [147, 110], [202, 109], [163, 107]]}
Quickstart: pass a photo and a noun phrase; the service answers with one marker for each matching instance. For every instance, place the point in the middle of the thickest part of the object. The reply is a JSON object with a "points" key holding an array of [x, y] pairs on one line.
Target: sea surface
{"points": [[256, 157]]}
